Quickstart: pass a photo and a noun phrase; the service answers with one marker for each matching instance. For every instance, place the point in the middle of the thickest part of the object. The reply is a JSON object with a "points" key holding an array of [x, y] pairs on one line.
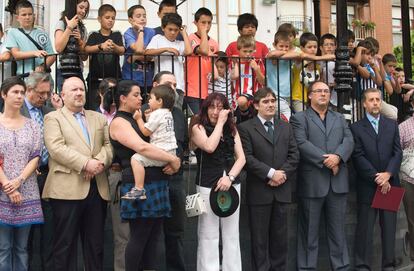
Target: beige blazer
{"points": [[69, 152]]}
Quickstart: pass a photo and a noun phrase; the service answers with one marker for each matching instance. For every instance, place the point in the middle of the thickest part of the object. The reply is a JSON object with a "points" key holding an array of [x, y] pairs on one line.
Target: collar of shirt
{"points": [[29, 105], [108, 116], [371, 117], [262, 120]]}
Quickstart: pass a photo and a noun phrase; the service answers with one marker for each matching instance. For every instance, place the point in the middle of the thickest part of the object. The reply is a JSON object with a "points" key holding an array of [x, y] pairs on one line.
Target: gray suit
{"points": [[44, 109], [318, 189]]}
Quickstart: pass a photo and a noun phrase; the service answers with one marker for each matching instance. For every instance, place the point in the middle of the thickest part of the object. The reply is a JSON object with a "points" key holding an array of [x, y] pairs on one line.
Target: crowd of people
{"points": [[265, 117]]}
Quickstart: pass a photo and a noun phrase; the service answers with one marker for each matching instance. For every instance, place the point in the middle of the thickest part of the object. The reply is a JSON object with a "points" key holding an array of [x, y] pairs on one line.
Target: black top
{"points": [[102, 64], [124, 154], [213, 164]]}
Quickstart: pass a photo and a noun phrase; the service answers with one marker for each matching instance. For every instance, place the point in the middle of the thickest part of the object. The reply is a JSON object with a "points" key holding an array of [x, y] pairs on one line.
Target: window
{"points": [[350, 12], [235, 8]]}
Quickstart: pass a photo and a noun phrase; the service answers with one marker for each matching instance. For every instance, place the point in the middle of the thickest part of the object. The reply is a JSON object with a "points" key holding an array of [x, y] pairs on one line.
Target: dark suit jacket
{"points": [[45, 109], [314, 140], [262, 154], [375, 153]]}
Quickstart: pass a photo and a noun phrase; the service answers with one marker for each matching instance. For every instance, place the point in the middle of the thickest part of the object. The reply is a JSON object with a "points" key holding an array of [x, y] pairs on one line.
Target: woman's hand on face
{"points": [[16, 197], [223, 116], [223, 184]]}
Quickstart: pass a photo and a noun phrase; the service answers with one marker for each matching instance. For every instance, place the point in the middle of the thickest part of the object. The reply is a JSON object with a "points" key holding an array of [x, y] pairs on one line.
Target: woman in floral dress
{"points": [[20, 145]]}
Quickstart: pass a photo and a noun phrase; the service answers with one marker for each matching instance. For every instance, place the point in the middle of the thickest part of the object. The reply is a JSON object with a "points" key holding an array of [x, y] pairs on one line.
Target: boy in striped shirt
{"points": [[251, 71]]}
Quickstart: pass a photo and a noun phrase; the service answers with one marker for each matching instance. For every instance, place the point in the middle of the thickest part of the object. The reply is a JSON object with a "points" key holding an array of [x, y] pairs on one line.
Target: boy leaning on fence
{"points": [[199, 64], [28, 44], [105, 46]]}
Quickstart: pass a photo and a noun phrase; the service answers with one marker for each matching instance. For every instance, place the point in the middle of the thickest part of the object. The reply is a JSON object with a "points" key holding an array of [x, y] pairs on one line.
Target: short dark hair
{"points": [[388, 58], [1, 27], [171, 18], [289, 28], [123, 88], [105, 8], [11, 82], [133, 8], [107, 92], [262, 93], [166, 3], [202, 11], [246, 19], [327, 36], [399, 69], [367, 45], [370, 90], [307, 37], [375, 44], [23, 4], [166, 94], [158, 76], [350, 35], [222, 56], [281, 36]]}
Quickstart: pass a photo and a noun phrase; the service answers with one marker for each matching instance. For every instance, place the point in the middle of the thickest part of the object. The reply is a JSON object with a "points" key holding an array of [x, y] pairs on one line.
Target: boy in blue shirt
{"points": [[136, 38], [30, 45]]}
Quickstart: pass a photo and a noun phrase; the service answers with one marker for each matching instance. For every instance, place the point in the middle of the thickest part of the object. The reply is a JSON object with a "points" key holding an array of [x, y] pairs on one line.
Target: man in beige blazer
{"points": [[77, 185]]}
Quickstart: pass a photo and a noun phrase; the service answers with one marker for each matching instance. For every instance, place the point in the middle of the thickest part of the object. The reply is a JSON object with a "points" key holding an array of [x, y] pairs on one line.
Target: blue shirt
{"points": [[130, 37], [371, 118], [284, 76], [31, 109]]}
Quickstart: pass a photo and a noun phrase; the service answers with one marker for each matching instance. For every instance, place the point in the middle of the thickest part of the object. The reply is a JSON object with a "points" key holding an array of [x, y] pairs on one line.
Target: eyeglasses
{"points": [[319, 91], [43, 95]]}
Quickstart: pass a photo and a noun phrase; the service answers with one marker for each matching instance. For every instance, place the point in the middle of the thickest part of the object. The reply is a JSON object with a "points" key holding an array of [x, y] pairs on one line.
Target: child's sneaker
{"points": [[134, 194]]}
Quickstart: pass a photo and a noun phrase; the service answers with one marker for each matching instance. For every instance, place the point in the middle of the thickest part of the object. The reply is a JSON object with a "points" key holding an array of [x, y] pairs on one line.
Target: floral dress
{"points": [[17, 148]]}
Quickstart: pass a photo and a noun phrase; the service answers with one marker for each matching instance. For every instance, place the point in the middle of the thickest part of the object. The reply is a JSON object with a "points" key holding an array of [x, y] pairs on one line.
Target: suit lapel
{"points": [[368, 127], [330, 121], [91, 127], [261, 130], [275, 131], [316, 119], [74, 123], [25, 111]]}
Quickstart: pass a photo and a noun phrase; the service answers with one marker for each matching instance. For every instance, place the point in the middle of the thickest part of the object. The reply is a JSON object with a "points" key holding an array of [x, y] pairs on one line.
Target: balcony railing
{"points": [[354, 108], [301, 23]]}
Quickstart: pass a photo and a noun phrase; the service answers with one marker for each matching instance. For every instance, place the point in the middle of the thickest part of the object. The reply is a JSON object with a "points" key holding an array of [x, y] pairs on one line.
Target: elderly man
{"points": [[377, 159], [77, 186], [35, 106], [325, 144]]}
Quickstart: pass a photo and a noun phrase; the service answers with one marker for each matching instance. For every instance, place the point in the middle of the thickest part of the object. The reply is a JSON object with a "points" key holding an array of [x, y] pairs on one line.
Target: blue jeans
{"points": [[13, 248]]}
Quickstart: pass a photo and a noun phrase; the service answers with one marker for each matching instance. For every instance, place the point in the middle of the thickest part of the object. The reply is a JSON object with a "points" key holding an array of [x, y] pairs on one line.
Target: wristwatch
{"points": [[232, 178]]}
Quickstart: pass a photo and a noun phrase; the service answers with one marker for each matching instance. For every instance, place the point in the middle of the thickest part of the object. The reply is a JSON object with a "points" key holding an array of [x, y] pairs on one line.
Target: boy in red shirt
{"points": [[199, 64]]}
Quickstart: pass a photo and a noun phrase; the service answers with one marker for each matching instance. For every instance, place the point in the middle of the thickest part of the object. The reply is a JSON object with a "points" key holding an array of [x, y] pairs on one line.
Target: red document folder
{"points": [[390, 201]]}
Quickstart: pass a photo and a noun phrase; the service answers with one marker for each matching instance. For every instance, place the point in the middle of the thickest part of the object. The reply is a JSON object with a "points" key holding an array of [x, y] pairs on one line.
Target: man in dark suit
{"points": [[38, 92], [325, 144], [271, 160], [377, 158]]}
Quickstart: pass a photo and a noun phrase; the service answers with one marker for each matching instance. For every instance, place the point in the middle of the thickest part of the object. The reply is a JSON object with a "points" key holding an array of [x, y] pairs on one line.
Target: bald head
{"points": [[73, 94]]}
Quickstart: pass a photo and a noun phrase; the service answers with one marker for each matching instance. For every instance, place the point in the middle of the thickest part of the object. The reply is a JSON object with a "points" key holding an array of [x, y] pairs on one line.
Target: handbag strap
{"points": [[31, 39], [189, 175]]}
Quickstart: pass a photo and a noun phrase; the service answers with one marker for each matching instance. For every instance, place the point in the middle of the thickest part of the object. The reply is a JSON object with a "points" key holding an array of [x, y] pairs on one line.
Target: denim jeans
{"points": [[13, 248]]}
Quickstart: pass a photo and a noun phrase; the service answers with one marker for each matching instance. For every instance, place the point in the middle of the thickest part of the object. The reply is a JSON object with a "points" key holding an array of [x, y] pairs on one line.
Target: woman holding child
{"points": [[145, 217], [220, 158]]}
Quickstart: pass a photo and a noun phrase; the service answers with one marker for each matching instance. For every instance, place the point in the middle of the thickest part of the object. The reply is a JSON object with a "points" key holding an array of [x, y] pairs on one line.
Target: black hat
{"points": [[224, 203]]}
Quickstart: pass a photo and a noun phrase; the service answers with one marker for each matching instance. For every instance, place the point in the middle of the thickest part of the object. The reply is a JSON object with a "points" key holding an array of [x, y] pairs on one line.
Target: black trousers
{"points": [[174, 225], [41, 236], [269, 236], [142, 251], [364, 234], [79, 217]]}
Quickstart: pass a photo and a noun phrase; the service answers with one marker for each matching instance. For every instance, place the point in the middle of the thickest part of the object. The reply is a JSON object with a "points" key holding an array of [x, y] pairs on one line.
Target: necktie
{"points": [[79, 118], [44, 155], [375, 124], [269, 126]]}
